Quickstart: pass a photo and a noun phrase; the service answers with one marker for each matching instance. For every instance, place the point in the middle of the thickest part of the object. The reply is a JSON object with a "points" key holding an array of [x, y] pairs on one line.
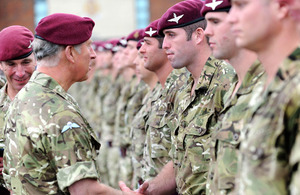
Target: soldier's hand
{"points": [[143, 188], [128, 191]]}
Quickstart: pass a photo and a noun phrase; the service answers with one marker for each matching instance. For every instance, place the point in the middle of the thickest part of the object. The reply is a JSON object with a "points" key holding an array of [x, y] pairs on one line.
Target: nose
{"points": [[142, 49], [166, 43], [20, 71], [208, 30], [93, 54]]}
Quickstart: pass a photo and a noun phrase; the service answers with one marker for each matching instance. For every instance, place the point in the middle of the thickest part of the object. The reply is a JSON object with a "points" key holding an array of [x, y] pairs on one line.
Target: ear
{"points": [[199, 35], [1, 66], [70, 53], [282, 8]]}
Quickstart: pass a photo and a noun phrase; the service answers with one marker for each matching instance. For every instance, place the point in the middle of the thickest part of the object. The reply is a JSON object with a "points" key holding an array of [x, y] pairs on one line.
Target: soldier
{"points": [[158, 135], [17, 63], [51, 149], [269, 151], [196, 104], [225, 140], [137, 126], [121, 136], [109, 114]]}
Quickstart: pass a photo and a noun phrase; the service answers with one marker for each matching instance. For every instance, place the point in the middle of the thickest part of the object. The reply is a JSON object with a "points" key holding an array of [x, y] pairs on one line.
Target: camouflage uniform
{"points": [[85, 93], [135, 103], [108, 130], [49, 143], [4, 104], [191, 123], [105, 84], [138, 136], [121, 135], [269, 151], [158, 137], [92, 102], [2, 81], [224, 144]]}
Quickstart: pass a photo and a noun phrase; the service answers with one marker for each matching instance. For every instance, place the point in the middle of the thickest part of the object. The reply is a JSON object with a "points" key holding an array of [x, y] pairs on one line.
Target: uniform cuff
{"points": [[81, 170]]}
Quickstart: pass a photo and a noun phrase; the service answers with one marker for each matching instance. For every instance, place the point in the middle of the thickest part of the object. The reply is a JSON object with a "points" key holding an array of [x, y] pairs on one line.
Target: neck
{"points": [[196, 67], [163, 73], [241, 63], [60, 74], [11, 92], [128, 74], [151, 81], [274, 53]]}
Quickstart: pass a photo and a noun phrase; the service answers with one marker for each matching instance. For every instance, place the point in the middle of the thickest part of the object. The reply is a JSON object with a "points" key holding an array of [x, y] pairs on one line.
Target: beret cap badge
{"points": [[213, 4], [176, 18], [151, 32]]}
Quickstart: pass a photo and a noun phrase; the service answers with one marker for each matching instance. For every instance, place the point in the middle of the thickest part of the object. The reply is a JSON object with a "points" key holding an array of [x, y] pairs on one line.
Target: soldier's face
{"points": [[141, 71], [18, 72], [221, 39], [85, 60], [179, 50], [253, 22], [154, 57], [130, 53], [118, 58], [99, 59]]}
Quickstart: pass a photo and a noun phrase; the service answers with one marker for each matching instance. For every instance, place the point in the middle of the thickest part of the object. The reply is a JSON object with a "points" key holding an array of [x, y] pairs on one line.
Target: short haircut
{"points": [[47, 51], [160, 41], [190, 29]]}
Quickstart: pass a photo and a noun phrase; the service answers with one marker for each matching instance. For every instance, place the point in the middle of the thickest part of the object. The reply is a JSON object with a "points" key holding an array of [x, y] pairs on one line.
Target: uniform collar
{"points": [[3, 95], [288, 69]]}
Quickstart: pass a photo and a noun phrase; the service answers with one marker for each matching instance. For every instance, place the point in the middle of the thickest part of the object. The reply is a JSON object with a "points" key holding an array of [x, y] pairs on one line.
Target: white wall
{"points": [[113, 18]]}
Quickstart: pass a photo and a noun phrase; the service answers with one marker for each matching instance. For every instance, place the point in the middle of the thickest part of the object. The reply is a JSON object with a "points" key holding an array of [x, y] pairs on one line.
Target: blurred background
{"points": [[113, 18]]}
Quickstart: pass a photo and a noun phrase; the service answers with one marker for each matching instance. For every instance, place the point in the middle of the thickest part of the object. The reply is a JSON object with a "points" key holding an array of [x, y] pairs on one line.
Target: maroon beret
{"points": [[181, 14], [111, 45], [98, 45], [15, 43], [136, 35], [122, 42], [139, 44], [65, 29], [151, 29], [216, 6]]}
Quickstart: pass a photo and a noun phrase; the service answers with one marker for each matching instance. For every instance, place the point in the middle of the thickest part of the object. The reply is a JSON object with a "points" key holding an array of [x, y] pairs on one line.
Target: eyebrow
{"points": [[212, 18], [146, 40]]}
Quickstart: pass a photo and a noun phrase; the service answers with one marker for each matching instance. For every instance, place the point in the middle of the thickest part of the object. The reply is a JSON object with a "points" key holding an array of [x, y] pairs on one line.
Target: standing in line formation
{"points": [[204, 100]]}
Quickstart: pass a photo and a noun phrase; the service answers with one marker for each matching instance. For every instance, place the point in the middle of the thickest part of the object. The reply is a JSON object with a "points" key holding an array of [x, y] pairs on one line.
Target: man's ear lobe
{"points": [[283, 8], [200, 34], [70, 52]]}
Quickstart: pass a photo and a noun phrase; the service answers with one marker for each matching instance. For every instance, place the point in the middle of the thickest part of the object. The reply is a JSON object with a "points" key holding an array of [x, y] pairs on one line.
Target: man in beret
{"points": [[137, 126], [110, 110], [51, 148], [269, 150], [158, 135], [196, 104], [129, 90], [225, 139], [17, 63]]}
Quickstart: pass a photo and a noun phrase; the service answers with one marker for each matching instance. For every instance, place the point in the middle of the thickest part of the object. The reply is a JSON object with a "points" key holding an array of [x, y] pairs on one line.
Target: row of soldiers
{"points": [[204, 100], [192, 121]]}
